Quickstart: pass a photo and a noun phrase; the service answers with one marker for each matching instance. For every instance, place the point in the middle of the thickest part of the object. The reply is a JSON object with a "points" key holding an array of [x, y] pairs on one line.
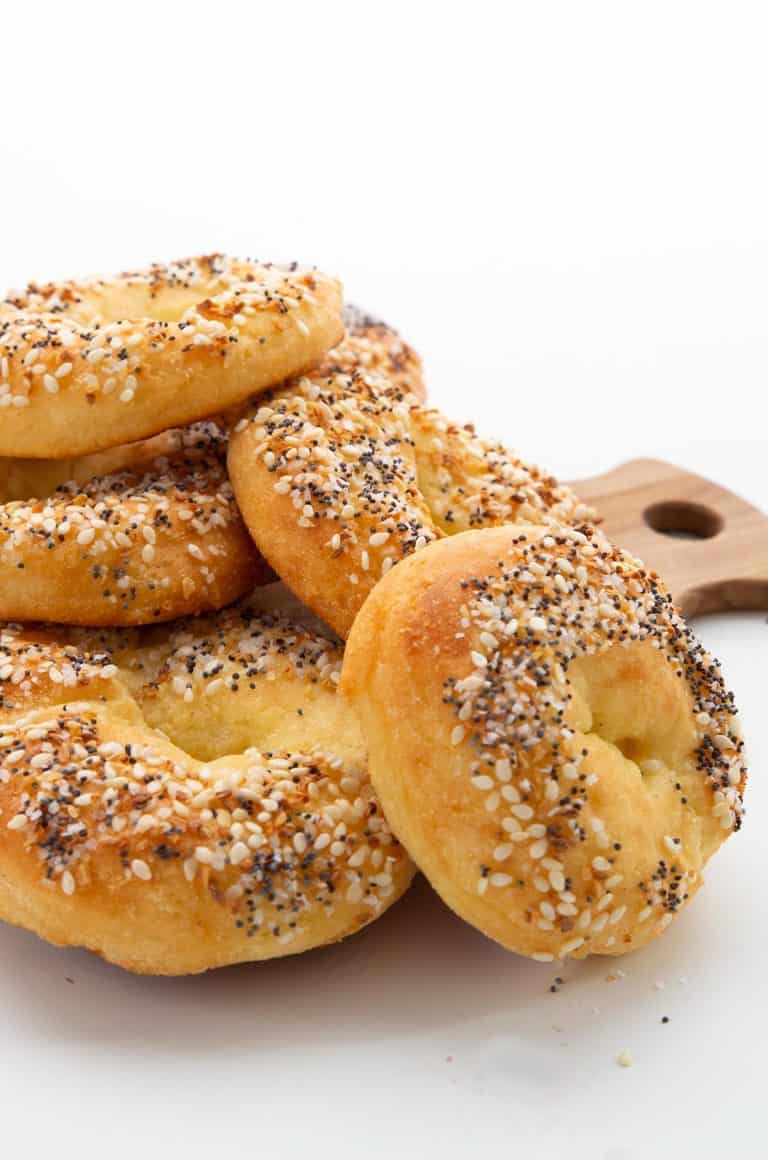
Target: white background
{"points": [[565, 208]]}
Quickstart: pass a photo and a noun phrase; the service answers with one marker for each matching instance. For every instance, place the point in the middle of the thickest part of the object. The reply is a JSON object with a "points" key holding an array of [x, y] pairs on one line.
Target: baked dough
{"points": [[21, 477], [160, 539], [93, 364], [549, 740], [339, 475], [187, 796]]}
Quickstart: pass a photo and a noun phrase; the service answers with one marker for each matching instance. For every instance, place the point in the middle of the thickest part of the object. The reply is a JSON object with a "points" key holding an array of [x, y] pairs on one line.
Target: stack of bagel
{"points": [[275, 633]]}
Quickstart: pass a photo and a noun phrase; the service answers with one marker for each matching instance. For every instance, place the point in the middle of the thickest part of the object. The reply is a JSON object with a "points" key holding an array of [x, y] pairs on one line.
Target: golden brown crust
{"points": [[549, 740], [339, 475], [161, 539], [90, 365], [246, 829]]}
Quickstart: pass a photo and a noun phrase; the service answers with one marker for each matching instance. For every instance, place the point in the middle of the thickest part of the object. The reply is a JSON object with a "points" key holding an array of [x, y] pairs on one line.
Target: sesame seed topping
{"points": [[192, 318], [275, 837], [105, 533], [350, 444], [543, 726]]}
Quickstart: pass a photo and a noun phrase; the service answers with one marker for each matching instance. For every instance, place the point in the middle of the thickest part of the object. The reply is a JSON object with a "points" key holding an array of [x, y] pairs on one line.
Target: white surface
{"points": [[566, 213]]}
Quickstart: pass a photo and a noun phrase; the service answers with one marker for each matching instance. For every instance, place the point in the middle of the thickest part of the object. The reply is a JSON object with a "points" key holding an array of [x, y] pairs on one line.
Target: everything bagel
{"points": [[341, 474], [367, 343], [93, 364], [161, 539], [21, 478], [246, 829], [554, 747]]}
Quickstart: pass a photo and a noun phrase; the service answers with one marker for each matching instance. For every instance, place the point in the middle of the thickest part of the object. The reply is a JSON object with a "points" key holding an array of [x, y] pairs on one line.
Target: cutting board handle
{"points": [[710, 546]]}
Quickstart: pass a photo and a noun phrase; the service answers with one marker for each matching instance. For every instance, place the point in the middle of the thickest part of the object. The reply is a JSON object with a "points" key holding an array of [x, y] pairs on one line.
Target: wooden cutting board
{"points": [[710, 546]]}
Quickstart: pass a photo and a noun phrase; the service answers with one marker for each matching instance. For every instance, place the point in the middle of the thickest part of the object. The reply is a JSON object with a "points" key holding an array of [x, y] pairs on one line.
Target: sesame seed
{"points": [[571, 946], [522, 811], [238, 853], [503, 769]]}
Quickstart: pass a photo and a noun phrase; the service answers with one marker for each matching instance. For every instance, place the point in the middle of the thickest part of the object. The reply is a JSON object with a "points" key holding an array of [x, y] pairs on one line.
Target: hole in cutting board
{"points": [[684, 521]]}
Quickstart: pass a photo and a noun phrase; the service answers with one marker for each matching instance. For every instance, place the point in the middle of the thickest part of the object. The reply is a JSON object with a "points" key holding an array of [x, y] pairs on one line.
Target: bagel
{"points": [[339, 475], [157, 541], [89, 365], [548, 739], [374, 344], [187, 796], [21, 478]]}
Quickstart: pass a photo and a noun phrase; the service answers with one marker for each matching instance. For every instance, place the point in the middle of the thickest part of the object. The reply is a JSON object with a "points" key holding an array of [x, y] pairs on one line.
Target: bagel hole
{"points": [[168, 304], [631, 748], [683, 520], [634, 749], [631, 699]]}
